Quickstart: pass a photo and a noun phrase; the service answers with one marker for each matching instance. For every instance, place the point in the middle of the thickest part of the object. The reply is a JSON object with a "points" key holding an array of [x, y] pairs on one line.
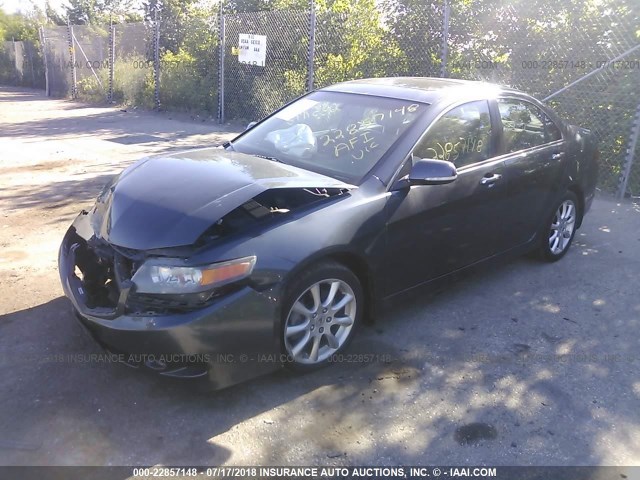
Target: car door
{"points": [[533, 152], [433, 230]]}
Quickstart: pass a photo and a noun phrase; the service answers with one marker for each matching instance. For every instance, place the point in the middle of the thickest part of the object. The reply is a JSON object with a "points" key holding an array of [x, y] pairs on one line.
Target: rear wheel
{"points": [[560, 228], [322, 311]]}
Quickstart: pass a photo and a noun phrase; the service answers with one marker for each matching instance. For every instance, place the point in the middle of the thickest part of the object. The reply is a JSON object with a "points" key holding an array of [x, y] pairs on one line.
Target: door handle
{"points": [[490, 180], [557, 156]]}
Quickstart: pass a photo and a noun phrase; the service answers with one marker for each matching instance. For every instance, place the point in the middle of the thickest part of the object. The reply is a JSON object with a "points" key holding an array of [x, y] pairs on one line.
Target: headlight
{"points": [[164, 276]]}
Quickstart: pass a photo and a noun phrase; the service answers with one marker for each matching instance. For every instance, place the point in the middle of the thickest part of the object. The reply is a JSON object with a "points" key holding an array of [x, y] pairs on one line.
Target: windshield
{"points": [[341, 135]]}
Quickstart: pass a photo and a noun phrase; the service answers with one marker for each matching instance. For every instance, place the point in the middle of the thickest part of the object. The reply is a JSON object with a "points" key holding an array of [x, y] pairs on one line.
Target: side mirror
{"points": [[249, 125], [432, 172]]}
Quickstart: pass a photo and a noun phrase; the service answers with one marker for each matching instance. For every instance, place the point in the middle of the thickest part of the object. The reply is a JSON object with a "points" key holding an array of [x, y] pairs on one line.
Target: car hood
{"points": [[170, 201]]}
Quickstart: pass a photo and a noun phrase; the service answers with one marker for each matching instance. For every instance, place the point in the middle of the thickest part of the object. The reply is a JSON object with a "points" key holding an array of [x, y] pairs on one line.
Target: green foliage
{"points": [[360, 47], [184, 85], [188, 45], [94, 12], [23, 30], [175, 18], [7, 66], [90, 90], [52, 16], [133, 85], [18, 27]]}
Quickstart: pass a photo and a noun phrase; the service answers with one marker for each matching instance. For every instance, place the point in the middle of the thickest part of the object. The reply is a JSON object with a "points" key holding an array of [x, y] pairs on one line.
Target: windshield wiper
{"points": [[229, 146], [273, 159]]}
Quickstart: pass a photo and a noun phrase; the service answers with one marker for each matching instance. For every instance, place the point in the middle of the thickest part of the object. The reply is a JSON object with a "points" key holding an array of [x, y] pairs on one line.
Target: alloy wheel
{"points": [[320, 321], [562, 227]]}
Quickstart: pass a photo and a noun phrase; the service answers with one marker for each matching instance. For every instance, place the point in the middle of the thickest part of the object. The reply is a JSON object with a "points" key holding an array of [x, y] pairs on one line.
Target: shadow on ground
{"points": [[55, 195], [117, 125]]}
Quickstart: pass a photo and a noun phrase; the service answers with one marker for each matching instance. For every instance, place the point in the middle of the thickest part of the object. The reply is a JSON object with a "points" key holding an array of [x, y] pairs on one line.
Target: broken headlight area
{"points": [[268, 206], [110, 276], [102, 271]]}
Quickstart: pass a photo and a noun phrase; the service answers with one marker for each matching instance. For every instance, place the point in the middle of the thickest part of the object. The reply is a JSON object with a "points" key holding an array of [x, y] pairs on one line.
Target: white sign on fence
{"points": [[252, 49]]}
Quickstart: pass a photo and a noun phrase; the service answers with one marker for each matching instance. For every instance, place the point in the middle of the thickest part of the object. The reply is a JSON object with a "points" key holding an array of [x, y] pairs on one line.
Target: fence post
{"points": [[112, 59], [15, 62], [445, 39], [156, 57], [311, 54], [221, 54], [631, 149], [43, 45], [72, 59], [30, 55]]}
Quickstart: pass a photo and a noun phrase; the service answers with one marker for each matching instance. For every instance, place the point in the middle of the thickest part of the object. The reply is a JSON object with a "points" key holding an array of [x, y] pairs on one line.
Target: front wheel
{"points": [[560, 229], [322, 311]]}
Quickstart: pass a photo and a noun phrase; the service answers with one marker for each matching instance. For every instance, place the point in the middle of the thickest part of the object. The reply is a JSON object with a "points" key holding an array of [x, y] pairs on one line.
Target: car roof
{"points": [[421, 89]]}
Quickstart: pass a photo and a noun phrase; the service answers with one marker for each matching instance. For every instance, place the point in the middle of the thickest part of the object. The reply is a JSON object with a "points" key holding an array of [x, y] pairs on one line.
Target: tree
{"points": [[52, 16], [19, 26], [100, 12], [361, 45], [174, 17], [2, 23]]}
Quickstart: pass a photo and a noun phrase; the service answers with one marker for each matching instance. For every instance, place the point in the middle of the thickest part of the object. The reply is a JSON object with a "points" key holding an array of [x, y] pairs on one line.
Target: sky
{"points": [[13, 6]]}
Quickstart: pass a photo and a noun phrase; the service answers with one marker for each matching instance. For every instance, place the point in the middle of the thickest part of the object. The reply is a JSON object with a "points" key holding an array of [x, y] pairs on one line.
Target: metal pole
{"points": [[221, 69], [15, 62], [156, 56], [445, 39], [628, 161], [43, 45], [30, 55], [112, 59], [72, 59], [592, 72], [312, 46]]}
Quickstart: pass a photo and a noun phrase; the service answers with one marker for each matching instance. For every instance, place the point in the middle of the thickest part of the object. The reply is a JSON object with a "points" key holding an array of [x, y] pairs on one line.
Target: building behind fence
{"points": [[584, 63]]}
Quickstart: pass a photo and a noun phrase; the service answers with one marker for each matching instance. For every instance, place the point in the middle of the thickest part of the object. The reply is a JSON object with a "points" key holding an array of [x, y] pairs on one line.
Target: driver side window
{"points": [[461, 136]]}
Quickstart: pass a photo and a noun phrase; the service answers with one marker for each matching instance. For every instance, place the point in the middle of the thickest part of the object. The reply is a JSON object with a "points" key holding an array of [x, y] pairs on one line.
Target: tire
{"points": [[560, 228], [313, 330]]}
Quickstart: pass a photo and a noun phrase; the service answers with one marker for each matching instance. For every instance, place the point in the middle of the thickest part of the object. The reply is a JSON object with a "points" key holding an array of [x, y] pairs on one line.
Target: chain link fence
{"points": [[90, 46], [132, 80], [57, 60], [579, 56], [21, 64], [253, 89], [563, 56], [8, 63], [188, 63]]}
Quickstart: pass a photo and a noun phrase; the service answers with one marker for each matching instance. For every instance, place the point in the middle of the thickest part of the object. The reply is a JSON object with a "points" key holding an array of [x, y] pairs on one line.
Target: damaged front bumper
{"points": [[230, 337]]}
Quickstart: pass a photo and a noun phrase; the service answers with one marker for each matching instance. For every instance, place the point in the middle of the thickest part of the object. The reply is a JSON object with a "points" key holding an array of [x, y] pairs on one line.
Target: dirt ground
{"points": [[525, 364]]}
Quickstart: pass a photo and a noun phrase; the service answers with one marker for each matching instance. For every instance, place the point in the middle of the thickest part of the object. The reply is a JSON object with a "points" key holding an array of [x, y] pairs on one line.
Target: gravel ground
{"points": [[524, 364]]}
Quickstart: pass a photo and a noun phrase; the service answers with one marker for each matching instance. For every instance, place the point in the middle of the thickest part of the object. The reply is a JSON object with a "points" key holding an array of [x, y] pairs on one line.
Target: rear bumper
{"points": [[232, 339]]}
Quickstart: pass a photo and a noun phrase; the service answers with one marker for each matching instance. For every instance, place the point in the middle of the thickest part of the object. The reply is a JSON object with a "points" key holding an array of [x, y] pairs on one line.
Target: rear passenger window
{"points": [[461, 136], [525, 125]]}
